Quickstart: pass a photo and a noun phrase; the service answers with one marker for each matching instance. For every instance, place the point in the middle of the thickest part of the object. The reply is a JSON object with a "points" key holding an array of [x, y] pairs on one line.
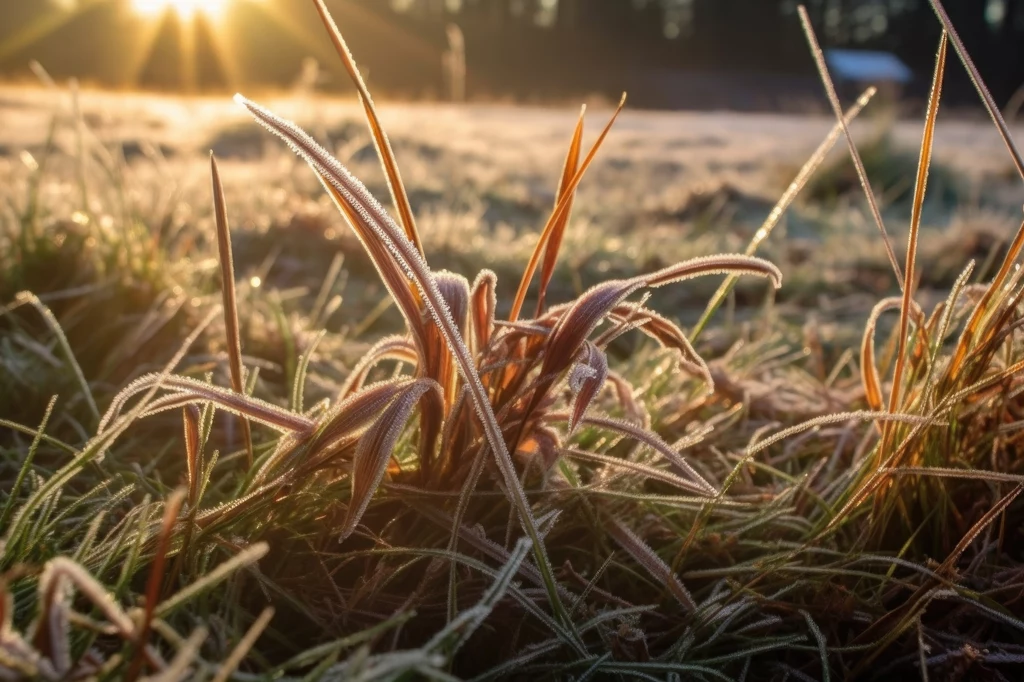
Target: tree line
{"points": [[685, 53]]}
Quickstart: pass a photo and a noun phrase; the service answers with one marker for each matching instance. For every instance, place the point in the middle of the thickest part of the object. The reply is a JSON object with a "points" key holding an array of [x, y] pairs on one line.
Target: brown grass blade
{"points": [[354, 412], [483, 301], [647, 437], [945, 472], [362, 209], [172, 507], [861, 415], [636, 468], [724, 264], [380, 138], [586, 312], [979, 85], [456, 295], [972, 330], [990, 515], [389, 348], [6, 610], [668, 335], [833, 98], [375, 447], [193, 456], [440, 367], [586, 379], [560, 208], [920, 187], [651, 562], [868, 367], [227, 279], [253, 408], [572, 162]]}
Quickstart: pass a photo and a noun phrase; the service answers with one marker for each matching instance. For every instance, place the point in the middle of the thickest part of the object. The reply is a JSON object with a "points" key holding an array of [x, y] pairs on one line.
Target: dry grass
{"points": [[507, 485]]}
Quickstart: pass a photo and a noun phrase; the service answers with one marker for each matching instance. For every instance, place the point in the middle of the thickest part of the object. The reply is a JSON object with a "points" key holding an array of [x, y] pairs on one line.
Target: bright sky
{"points": [[186, 9]]}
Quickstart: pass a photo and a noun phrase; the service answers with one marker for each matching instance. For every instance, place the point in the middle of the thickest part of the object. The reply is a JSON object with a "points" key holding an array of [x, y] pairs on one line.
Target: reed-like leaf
{"points": [[172, 506], [920, 186], [647, 437], [356, 411], [869, 369], [193, 453], [375, 447], [253, 408], [227, 279], [554, 244], [483, 303], [380, 138], [719, 264], [586, 379], [585, 313], [389, 348], [644, 470], [567, 194], [668, 335]]}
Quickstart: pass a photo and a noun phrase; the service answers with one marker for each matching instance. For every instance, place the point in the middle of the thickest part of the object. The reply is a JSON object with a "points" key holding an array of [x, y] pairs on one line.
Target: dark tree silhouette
{"points": [[527, 48]]}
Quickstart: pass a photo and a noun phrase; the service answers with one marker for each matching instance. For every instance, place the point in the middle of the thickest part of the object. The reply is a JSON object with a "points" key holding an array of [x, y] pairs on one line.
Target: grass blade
{"points": [[556, 215], [833, 98], [380, 138], [27, 297], [227, 279], [920, 187], [375, 447], [979, 85], [156, 576], [572, 162]]}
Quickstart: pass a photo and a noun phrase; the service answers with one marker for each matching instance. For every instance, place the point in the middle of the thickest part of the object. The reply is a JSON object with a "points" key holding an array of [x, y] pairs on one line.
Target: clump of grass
{"points": [[491, 495]]}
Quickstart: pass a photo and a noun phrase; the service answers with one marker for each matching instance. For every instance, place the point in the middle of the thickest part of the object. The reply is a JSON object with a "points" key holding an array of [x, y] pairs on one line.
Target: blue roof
{"points": [[867, 66]]}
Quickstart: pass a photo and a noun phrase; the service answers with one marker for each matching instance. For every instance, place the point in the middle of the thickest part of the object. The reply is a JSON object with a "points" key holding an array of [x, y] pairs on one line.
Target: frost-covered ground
{"points": [[482, 178]]}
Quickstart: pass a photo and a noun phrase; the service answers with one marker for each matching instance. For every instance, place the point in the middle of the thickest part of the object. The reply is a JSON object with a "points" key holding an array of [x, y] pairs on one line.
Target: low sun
{"points": [[186, 9]]}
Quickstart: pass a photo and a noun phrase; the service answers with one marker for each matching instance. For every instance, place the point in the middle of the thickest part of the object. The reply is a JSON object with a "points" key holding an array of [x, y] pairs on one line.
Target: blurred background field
{"points": [[483, 169], [666, 186], [109, 110]]}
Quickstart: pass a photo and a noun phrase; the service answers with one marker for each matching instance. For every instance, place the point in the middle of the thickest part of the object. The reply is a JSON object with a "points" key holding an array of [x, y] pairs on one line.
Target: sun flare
{"points": [[186, 9]]}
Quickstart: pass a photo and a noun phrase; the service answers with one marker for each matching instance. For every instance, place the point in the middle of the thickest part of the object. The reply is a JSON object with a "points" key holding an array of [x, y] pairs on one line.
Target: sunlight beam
{"points": [[184, 9]]}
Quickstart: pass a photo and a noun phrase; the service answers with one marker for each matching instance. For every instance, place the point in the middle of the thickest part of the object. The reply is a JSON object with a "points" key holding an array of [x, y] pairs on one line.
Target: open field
{"points": [[805, 563]]}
